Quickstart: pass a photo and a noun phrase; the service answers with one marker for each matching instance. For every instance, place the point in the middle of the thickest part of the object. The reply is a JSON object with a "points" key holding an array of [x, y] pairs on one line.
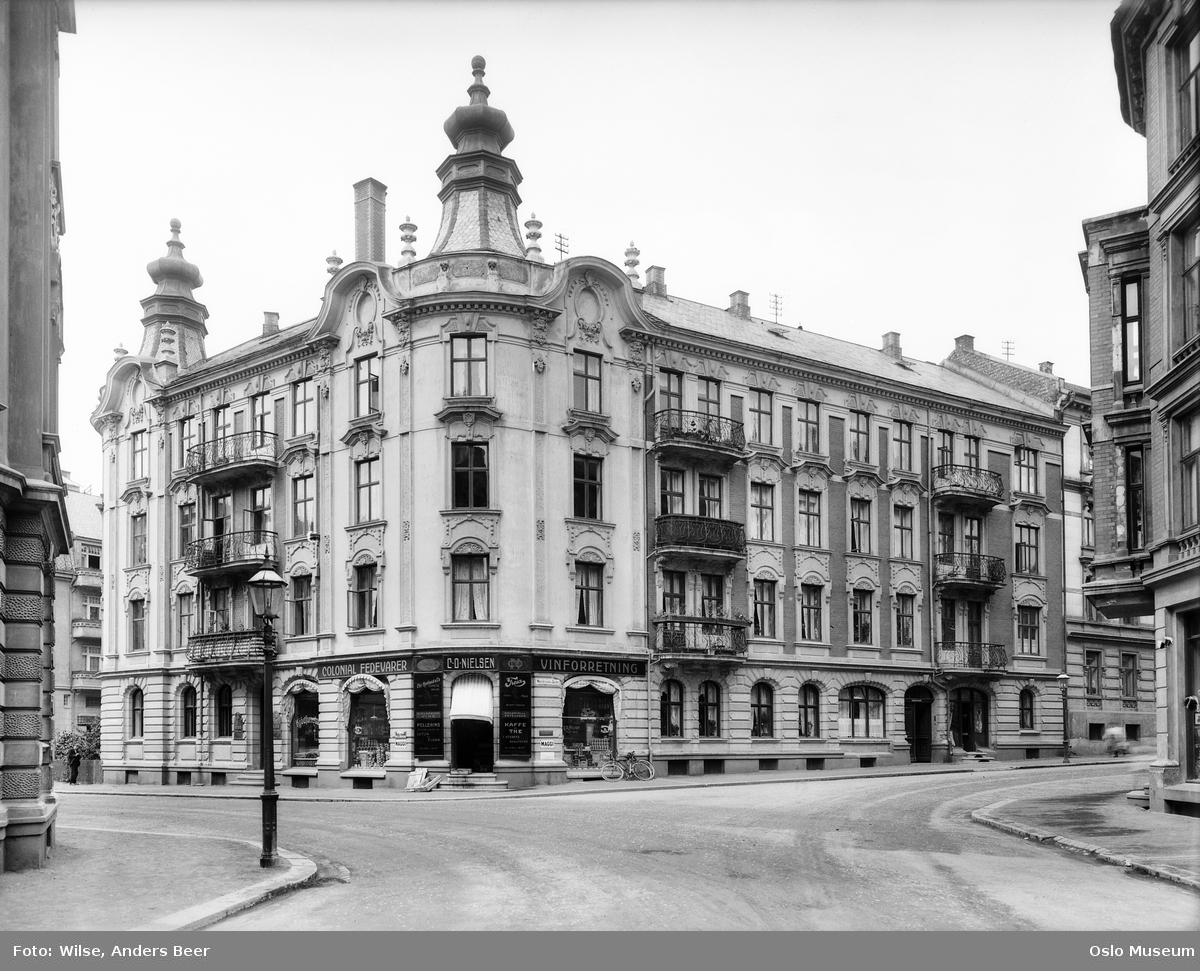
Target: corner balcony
{"points": [[967, 486], [971, 657], [704, 640], [232, 553], [85, 680], [697, 435], [223, 648], [968, 572], [88, 579], [712, 539], [244, 455], [86, 628]]}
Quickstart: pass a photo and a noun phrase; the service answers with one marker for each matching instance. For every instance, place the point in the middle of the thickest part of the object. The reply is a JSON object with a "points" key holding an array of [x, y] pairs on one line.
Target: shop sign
{"points": [[474, 662], [515, 718], [611, 666], [381, 665], [428, 734]]}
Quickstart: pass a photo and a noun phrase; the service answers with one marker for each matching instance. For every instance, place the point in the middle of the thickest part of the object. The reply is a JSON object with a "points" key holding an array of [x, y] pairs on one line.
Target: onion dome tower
{"points": [[174, 320], [479, 185]]}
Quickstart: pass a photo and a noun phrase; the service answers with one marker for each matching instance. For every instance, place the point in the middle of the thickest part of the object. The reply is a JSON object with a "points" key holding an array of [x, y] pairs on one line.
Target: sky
{"points": [[880, 165]]}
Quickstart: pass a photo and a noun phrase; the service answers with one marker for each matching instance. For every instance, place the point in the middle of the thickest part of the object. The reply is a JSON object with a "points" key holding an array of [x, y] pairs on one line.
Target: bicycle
{"points": [[631, 766]]}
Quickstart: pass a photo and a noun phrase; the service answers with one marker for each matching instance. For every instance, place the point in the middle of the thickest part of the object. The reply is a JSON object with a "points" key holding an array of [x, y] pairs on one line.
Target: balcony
{"points": [[695, 434], [88, 579], [967, 486], [87, 628], [719, 539], [241, 455], [971, 656], [702, 639], [231, 553], [85, 680], [225, 648], [967, 572]]}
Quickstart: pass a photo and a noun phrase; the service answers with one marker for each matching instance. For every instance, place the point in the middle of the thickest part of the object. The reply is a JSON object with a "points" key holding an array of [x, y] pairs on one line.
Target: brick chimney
{"points": [[891, 344], [1046, 367], [739, 304], [964, 343], [369, 196], [270, 323], [656, 281]]}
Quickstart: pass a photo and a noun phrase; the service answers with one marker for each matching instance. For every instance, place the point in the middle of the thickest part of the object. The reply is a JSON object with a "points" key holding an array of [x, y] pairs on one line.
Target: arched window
{"points": [[1026, 708], [762, 711], [860, 711], [670, 712], [136, 713], [708, 709], [810, 711], [224, 711], [187, 702]]}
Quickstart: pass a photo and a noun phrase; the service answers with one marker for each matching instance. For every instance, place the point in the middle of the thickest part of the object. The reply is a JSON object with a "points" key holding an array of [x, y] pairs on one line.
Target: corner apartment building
{"points": [[1145, 327], [78, 608], [528, 514]]}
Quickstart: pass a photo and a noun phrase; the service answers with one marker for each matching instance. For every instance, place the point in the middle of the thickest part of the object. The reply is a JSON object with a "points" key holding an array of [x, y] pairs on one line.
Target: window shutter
{"points": [[735, 408]]}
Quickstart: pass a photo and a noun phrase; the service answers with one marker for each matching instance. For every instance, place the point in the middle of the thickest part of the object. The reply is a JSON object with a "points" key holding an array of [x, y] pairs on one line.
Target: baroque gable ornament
{"points": [[590, 304]]}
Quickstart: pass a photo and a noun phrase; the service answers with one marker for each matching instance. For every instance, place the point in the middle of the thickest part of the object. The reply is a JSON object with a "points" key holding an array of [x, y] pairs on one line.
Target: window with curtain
{"points": [[902, 446], [589, 594], [1025, 706], [137, 540], [670, 710], [185, 613], [187, 526], [762, 711], [302, 606], [136, 713], [809, 439], [224, 711], [906, 619], [304, 407], [670, 492], [368, 499], [469, 579], [902, 529], [809, 507], [760, 416], [861, 617], [187, 704], [860, 525], [1025, 460], [1029, 630], [138, 452], [764, 608], [468, 367], [860, 436], [137, 625], [860, 711], [304, 519], [587, 382], [811, 628], [810, 711], [1027, 549], [708, 709], [364, 598], [762, 511]]}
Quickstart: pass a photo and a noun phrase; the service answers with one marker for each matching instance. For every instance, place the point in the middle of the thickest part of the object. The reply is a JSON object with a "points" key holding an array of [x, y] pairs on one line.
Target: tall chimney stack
{"points": [[739, 303], [656, 281], [891, 344], [369, 196], [270, 323], [964, 343]]}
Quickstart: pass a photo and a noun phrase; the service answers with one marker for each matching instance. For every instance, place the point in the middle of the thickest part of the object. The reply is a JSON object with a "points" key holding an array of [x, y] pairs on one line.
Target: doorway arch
{"points": [[472, 739]]}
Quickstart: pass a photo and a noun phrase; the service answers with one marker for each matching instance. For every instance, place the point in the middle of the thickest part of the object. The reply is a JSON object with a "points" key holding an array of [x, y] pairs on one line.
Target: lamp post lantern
{"points": [[1063, 680], [265, 586]]}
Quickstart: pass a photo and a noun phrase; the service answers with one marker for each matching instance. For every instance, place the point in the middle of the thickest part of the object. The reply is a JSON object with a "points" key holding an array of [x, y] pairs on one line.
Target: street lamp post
{"points": [[264, 589], [1063, 680]]}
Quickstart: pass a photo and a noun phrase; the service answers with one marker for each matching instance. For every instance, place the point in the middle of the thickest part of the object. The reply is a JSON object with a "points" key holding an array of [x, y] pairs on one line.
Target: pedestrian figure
{"points": [[1115, 742], [73, 761]]}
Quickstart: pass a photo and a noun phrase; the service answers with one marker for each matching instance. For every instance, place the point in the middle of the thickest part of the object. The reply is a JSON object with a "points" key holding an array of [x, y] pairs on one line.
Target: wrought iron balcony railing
{"points": [[969, 654], [966, 480], [241, 447], [225, 646], [969, 568], [699, 428], [231, 549], [700, 531], [701, 636]]}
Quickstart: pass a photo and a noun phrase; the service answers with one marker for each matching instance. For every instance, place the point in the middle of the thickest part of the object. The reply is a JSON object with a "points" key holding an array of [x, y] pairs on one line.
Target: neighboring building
{"points": [[1110, 663], [1145, 329], [78, 605], [33, 519], [531, 513]]}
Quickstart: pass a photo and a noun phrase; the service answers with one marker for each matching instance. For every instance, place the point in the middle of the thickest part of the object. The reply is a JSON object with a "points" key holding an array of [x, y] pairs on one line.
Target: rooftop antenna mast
{"points": [[562, 244], [1008, 350], [776, 305]]}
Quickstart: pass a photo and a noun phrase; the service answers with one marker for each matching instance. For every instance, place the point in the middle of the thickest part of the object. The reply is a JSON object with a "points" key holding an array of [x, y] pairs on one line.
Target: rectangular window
{"points": [[1131, 329], [589, 593], [185, 432], [1025, 460], [708, 396], [261, 417], [137, 625], [185, 615], [91, 662], [304, 516], [93, 607], [366, 386], [861, 617], [1027, 549], [860, 436], [710, 496], [1191, 284], [945, 537], [137, 455], [91, 558], [670, 391], [363, 613], [368, 499], [304, 407], [470, 579], [762, 512], [1189, 440], [974, 622], [258, 514], [1135, 496], [1089, 527], [1093, 672], [860, 525], [902, 446], [222, 423], [216, 614], [712, 595], [587, 382], [971, 456], [949, 622], [674, 585], [137, 540], [945, 450], [809, 507], [810, 611], [906, 619], [1129, 676], [1189, 90], [301, 606], [973, 535], [468, 367], [764, 608], [588, 487], [469, 475], [187, 526], [670, 492], [902, 530], [760, 417], [809, 413], [1029, 630]]}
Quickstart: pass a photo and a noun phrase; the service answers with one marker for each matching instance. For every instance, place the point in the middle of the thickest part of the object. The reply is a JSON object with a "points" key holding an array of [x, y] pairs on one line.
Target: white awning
{"points": [[471, 697], [600, 684]]}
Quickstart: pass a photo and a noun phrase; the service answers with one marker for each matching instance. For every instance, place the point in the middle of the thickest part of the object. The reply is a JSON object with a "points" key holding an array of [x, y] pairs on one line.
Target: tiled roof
{"points": [[1038, 383], [254, 347], [84, 514]]}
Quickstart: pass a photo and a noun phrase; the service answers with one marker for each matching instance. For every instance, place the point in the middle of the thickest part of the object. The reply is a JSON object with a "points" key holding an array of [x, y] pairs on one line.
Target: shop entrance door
{"points": [[369, 733], [588, 726], [969, 719], [918, 723], [472, 740]]}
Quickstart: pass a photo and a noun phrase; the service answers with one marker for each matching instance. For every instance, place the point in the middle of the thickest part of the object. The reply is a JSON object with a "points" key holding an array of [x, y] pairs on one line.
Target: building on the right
{"points": [[1143, 268]]}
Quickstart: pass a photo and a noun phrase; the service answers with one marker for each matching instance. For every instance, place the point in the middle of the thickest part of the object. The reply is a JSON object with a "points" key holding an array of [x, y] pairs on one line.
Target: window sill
{"points": [[365, 524], [476, 624], [361, 631], [305, 439], [607, 631]]}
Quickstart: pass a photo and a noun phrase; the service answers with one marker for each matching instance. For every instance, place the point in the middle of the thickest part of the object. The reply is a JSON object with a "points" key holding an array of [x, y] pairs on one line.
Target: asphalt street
{"points": [[870, 853]]}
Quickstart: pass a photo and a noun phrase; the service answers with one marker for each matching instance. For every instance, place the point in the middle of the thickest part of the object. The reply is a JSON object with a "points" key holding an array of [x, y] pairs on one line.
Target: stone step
{"points": [[254, 777], [462, 779]]}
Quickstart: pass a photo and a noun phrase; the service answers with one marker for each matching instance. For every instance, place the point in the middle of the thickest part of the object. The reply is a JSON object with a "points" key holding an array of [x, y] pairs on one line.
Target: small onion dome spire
{"points": [[333, 263], [172, 273], [119, 351], [478, 125], [533, 252], [631, 262], [408, 236]]}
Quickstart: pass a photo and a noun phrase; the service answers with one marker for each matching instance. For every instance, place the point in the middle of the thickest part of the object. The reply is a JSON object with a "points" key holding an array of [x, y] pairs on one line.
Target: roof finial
{"points": [[631, 263], [333, 263], [408, 236], [533, 252], [478, 91]]}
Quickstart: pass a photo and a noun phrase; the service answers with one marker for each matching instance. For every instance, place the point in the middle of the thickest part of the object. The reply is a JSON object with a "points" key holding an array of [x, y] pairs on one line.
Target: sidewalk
{"points": [[109, 879]]}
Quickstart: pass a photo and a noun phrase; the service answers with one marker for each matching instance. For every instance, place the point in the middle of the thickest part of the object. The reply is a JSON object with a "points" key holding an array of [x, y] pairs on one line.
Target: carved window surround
{"points": [[469, 417], [589, 425]]}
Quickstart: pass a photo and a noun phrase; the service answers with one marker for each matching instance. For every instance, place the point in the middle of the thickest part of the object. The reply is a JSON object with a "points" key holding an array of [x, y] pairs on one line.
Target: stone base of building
{"points": [[27, 841]]}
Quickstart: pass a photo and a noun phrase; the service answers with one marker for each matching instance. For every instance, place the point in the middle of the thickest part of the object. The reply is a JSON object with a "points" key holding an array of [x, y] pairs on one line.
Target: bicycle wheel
{"points": [[611, 771], [643, 770]]}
